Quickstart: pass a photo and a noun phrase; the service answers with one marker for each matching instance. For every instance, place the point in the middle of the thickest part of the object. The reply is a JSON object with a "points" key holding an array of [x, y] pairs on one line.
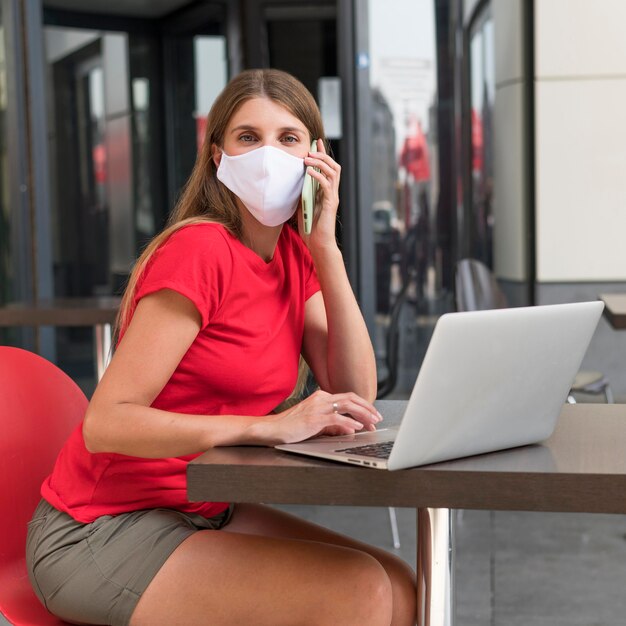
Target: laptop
{"points": [[490, 380]]}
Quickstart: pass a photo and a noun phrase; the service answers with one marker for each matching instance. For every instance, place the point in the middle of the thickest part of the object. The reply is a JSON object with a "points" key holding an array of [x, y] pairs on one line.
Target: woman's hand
{"points": [[321, 413], [327, 200]]}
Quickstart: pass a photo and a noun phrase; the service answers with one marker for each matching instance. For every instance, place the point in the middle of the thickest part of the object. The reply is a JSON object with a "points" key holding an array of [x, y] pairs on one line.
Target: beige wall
{"points": [[580, 91]]}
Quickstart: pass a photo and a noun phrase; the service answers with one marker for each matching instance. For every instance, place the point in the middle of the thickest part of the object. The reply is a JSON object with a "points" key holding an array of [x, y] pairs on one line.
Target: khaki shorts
{"points": [[95, 573]]}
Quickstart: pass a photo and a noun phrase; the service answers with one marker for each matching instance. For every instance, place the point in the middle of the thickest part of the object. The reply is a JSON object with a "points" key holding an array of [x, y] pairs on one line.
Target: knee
{"points": [[403, 587], [400, 572], [374, 597]]}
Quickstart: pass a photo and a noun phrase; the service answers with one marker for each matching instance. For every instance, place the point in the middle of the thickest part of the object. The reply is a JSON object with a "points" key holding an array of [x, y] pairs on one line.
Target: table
{"points": [[98, 312], [615, 309], [581, 468]]}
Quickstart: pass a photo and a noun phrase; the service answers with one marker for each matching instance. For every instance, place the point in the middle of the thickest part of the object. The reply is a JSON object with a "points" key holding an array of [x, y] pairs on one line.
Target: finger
{"points": [[368, 420], [326, 169], [320, 146], [336, 431], [324, 181], [328, 186], [321, 153], [355, 398], [322, 422], [343, 419], [322, 160], [358, 413]]}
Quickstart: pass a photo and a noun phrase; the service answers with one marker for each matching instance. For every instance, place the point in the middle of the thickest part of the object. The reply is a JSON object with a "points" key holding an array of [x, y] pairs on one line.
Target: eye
{"points": [[290, 139], [247, 138]]}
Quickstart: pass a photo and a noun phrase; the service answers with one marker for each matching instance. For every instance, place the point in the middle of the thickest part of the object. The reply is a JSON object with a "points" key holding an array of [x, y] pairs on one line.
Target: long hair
{"points": [[204, 198]]}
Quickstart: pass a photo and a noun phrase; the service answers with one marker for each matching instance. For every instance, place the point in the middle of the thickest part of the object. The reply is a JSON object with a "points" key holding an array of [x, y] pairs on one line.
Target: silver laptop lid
{"points": [[492, 380]]}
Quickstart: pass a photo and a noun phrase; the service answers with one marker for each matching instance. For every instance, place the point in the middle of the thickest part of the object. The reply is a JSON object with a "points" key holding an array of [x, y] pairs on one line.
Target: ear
{"points": [[216, 155]]}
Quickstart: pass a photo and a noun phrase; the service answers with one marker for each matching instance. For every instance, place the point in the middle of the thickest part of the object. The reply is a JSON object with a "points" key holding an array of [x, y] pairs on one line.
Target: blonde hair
{"points": [[204, 198]]}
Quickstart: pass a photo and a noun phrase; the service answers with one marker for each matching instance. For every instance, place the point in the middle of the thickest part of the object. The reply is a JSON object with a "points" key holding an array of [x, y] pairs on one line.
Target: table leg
{"points": [[435, 567], [103, 347]]}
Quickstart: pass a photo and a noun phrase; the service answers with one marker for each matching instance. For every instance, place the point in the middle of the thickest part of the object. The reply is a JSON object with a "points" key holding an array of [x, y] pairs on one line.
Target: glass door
{"points": [[300, 37], [126, 109], [6, 257], [196, 70], [78, 157], [398, 61], [481, 128]]}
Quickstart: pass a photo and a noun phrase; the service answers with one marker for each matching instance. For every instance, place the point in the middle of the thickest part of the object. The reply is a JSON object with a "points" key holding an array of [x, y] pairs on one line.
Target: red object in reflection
{"points": [[99, 156], [477, 141], [414, 154], [200, 130]]}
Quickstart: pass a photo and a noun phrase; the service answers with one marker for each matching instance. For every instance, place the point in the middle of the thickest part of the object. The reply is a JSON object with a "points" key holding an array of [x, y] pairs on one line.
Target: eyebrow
{"points": [[284, 129]]}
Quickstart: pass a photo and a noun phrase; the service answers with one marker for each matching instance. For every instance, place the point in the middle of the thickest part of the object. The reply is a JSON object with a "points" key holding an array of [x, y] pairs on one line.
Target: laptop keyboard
{"points": [[380, 450]]}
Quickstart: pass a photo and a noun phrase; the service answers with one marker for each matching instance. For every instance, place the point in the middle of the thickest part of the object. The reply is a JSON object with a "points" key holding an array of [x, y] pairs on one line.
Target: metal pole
{"points": [[435, 567], [103, 347], [395, 535]]}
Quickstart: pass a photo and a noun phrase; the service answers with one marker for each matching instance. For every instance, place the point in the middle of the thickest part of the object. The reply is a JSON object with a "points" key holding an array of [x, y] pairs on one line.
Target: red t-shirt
{"points": [[244, 361]]}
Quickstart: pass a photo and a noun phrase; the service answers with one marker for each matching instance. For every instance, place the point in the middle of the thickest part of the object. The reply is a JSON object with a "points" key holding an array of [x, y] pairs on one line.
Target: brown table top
{"points": [[581, 468], [615, 309], [61, 312]]}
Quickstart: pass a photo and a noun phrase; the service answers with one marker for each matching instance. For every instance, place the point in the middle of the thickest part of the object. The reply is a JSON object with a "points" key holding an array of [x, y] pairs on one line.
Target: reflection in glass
{"points": [[92, 179], [141, 145], [482, 95], [5, 236], [78, 161], [108, 112], [303, 42], [79, 198], [8, 336], [199, 67], [404, 187], [148, 189], [210, 79]]}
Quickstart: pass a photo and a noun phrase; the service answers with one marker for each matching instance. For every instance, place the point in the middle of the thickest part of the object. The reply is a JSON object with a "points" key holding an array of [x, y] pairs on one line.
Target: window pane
{"points": [[5, 226], [482, 80], [211, 77], [13, 222], [198, 68], [404, 184], [149, 188]]}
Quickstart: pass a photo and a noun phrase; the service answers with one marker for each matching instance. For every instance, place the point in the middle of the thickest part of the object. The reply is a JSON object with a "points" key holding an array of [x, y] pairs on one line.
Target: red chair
{"points": [[39, 408]]}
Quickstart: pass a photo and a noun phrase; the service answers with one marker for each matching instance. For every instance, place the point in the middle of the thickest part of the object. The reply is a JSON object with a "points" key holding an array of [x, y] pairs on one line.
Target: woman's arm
{"points": [[336, 343], [120, 419]]}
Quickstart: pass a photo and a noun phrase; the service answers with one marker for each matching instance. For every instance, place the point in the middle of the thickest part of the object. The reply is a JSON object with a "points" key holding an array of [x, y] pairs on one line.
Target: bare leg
{"points": [[222, 578], [271, 568], [263, 520]]}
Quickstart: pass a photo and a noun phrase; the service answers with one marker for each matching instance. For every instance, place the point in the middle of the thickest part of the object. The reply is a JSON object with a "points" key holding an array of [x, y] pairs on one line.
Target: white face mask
{"points": [[267, 180]]}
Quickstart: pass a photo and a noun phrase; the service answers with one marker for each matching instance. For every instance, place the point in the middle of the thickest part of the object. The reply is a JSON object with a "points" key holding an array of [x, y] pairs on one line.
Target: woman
{"points": [[217, 312]]}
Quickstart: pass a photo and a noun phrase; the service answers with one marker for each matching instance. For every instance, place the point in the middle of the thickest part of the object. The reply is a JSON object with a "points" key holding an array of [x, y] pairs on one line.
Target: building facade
{"points": [[464, 129]]}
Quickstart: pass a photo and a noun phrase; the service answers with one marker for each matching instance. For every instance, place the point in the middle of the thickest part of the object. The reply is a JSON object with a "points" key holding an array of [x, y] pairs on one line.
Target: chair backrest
{"points": [[39, 407], [476, 288]]}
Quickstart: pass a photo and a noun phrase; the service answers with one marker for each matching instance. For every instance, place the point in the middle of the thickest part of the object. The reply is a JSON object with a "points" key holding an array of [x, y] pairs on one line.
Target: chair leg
{"points": [[608, 394], [394, 528]]}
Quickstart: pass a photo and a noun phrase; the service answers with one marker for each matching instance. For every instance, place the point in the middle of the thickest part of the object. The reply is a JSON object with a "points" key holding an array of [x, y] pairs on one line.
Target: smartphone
{"points": [[309, 192]]}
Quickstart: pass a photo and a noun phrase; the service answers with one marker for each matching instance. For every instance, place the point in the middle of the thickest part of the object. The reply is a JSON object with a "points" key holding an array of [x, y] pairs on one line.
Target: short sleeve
{"points": [[194, 261]]}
